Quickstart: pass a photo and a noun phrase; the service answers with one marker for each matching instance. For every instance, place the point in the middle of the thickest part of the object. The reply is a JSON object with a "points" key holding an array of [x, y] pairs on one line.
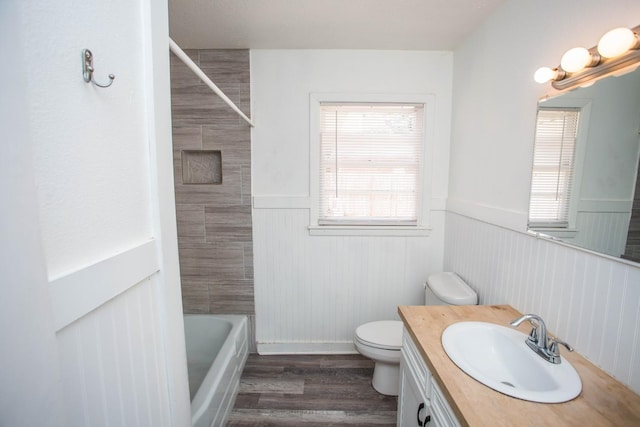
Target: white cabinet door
{"points": [[442, 414], [413, 407], [420, 402]]}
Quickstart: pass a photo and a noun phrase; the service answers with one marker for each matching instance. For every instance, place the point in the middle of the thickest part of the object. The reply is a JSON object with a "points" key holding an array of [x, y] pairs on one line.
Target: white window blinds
{"points": [[553, 165], [370, 163]]}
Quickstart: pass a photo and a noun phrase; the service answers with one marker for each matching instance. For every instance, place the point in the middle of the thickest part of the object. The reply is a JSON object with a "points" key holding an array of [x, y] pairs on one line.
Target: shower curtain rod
{"points": [[198, 72]]}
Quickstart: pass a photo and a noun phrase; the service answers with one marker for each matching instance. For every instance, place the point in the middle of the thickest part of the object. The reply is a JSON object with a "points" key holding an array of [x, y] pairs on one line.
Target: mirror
{"points": [[594, 191]]}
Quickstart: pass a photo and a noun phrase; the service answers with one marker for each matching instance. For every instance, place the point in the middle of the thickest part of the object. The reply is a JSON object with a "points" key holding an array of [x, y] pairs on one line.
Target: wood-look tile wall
{"points": [[214, 220]]}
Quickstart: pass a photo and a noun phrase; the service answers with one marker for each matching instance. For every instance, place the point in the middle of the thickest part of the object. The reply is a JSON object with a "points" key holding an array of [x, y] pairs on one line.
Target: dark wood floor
{"points": [[310, 391]]}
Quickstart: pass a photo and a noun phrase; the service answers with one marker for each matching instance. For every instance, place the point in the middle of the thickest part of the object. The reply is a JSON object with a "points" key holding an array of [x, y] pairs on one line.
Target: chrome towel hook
{"points": [[87, 69]]}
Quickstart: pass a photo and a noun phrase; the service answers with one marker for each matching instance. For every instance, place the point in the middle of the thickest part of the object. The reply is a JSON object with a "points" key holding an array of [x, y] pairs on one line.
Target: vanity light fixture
{"points": [[617, 49], [618, 42], [578, 58], [545, 74]]}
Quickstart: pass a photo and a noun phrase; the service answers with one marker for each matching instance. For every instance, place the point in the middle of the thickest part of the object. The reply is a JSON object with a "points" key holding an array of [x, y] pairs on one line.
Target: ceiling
{"points": [[326, 24]]}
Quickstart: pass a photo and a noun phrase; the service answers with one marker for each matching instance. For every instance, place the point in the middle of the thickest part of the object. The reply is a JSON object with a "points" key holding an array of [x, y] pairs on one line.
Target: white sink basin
{"points": [[499, 358]]}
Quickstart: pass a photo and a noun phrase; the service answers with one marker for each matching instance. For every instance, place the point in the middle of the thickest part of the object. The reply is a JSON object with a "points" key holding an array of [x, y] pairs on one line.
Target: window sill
{"points": [[368, 230]]}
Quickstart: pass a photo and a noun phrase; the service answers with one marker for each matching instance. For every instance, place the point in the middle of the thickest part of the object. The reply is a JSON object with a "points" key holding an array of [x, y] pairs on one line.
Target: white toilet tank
{"points": [[448, 289]]}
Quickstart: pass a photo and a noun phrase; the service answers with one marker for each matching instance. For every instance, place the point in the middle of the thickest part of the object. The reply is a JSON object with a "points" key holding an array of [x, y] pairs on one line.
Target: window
{"points": [[553, 167], [370, 163]]}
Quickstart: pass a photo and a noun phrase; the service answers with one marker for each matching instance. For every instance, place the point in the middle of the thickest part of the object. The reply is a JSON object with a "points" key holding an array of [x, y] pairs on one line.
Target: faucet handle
{"points": [[553, 347], [533, 335]]}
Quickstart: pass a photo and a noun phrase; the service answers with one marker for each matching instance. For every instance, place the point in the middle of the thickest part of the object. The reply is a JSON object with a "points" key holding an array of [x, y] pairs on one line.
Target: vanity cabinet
{"points": [[604, 401], [420, 402]]}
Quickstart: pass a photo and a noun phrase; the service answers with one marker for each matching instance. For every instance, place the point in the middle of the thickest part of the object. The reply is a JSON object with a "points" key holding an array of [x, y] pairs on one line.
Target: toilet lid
{"points": [[382, 334], [450, 288]]}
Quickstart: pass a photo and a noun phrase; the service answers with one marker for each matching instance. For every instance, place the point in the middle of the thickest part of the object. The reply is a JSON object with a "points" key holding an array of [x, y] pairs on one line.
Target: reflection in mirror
{"points": [[586, 159]]}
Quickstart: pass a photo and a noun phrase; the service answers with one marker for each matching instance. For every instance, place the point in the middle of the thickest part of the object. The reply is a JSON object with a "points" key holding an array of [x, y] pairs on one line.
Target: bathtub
{"points": [[217, 349]]}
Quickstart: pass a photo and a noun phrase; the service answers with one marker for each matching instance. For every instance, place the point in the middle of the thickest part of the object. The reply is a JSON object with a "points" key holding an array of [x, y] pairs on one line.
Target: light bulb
{"points": [[544, 74], [616, 42], [575, 59]]}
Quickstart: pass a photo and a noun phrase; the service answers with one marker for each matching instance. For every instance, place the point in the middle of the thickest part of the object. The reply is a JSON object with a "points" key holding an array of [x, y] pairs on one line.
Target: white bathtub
{"points": [[217, 349]]}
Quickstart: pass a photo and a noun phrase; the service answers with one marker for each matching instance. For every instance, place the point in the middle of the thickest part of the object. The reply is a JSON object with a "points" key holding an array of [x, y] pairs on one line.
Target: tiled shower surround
{"points": [[212, 166]]}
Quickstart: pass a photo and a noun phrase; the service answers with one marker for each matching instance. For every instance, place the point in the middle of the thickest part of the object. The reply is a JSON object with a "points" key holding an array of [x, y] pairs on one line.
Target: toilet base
{"points": [[386, 378]]}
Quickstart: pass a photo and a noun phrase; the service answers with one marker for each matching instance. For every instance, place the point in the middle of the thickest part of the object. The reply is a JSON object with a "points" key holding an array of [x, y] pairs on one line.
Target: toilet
{"points": [[381, 340]]}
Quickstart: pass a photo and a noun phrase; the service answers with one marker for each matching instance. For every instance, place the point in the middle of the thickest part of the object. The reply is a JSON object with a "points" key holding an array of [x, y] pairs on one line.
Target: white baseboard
{"points": [[306, 348]]}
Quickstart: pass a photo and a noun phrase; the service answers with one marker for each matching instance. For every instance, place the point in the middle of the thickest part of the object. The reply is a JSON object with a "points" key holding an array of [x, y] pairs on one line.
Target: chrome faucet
{"points": [[538, 340]]}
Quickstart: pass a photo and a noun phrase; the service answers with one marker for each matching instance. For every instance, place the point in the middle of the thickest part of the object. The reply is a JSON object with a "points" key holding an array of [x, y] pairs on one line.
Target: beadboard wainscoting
{"points": [[313, 291], [600, 225], [591, 301], [111, 352], [108, 322], [604, 232]]}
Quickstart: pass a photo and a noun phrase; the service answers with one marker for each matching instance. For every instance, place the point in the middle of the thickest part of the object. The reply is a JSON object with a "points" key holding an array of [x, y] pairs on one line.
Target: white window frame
{"points": [[584, 105], [422, 209]]}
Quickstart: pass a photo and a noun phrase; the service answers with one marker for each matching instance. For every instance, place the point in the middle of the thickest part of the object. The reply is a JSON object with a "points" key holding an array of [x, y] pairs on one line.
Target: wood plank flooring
{"points": [[310, 390]]}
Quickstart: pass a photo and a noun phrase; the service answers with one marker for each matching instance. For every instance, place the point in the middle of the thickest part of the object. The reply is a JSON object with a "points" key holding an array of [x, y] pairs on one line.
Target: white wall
{"points": [[83, 145], [612, 137], [491, 157], [29, 377], [313, 291], [92, 288], [490, 174]]}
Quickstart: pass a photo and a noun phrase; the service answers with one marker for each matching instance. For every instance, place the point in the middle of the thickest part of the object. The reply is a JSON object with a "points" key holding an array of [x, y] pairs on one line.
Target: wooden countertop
{"points": [[603, 401]]}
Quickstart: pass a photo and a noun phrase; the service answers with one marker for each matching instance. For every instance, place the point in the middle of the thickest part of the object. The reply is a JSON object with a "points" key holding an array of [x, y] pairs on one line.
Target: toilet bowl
{"points": [[381, 340]]}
